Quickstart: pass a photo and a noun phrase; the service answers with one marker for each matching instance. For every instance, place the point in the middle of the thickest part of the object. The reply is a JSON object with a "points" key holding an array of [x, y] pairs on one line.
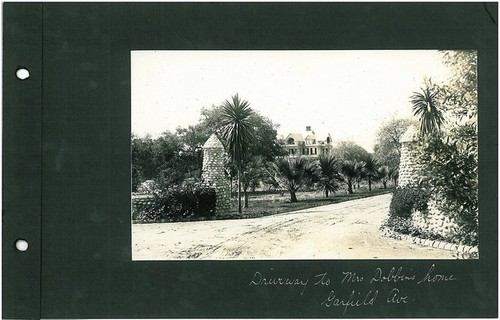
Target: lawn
{"points": [[264, 204], [268, 203]]}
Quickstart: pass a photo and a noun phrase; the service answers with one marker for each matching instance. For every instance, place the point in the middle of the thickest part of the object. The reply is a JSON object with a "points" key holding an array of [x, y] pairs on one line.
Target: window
{"points": [[290, 141]]}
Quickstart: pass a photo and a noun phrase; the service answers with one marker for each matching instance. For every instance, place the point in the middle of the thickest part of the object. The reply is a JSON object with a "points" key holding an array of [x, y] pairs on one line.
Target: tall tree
{"points": [[289, 174], [329, 173], [238, 131], [387, 147], [349, 150]]}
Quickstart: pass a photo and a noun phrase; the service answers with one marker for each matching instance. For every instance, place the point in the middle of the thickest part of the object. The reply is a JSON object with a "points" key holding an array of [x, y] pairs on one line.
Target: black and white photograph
{"points": [[304, 154]]}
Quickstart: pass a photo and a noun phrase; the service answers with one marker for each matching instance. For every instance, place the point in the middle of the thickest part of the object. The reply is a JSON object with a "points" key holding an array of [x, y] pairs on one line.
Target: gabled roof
{"points": [[295, 136], [311, 136]]}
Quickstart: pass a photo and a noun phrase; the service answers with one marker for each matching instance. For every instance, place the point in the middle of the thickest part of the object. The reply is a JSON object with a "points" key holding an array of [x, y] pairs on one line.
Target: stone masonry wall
{"points": [[213, 173], [433, 220]]}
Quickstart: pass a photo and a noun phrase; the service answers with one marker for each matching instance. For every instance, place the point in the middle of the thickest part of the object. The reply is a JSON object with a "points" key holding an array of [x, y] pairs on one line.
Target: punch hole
{"points": [[21, 245], [22, 73]]}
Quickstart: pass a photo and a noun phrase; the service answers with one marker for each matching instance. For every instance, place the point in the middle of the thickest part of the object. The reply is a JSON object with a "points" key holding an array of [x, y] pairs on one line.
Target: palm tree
{"points": [[311, 173], [329, 173], [370, 169], [394, 175], [360, 172], [348, 171], [383, 175], [289, 174], [426, 107], [238, 132]]}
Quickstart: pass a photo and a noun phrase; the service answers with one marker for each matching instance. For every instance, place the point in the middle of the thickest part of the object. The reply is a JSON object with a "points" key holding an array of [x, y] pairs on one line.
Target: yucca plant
{"points": [[238, 132], [426, 107]]}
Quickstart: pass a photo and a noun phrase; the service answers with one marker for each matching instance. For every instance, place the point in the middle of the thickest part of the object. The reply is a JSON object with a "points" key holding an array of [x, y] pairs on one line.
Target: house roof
{"points": [[295, 136]]}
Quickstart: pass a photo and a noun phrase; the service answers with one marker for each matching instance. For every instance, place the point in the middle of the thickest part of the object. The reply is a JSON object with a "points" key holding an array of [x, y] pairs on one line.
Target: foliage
{"points": [[450, 161], [155, 159], [383, 175], [408, 199], [460, 92], [370, 168], [237, 129], [180, 202], [254, 172], [349, 150], [394, 175], [238, 132], [426, 106], [349, 173], [289, 174], [329, 173], [387, 149], [401, 225], [148, 187], [360, 172], [450, 170], [406, 226]]}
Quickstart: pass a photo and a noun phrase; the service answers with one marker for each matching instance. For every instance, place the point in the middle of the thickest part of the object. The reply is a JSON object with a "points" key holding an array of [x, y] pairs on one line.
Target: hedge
{"points": [[178, 203]]}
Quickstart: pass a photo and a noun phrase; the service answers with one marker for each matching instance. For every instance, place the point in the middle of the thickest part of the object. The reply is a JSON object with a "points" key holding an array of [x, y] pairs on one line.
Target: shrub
{"points": [[178, 203], [407, 199], [148, 187]]}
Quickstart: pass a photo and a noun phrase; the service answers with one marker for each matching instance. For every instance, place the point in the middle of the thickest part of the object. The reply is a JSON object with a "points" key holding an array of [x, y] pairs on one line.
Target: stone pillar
{"points": [[213, 173], [408, 166], [433, 220]]}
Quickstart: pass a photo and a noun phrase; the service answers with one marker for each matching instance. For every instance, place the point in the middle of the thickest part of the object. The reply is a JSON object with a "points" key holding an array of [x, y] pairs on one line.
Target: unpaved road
{"points": [[347, 230]]}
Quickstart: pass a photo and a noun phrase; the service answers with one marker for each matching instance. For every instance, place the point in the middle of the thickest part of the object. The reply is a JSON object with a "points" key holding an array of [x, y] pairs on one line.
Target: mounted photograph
{"points": [[304, 154]]}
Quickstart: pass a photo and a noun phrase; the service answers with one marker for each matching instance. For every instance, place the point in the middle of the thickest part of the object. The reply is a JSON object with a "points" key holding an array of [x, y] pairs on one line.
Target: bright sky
{"points": [[346, 93]]}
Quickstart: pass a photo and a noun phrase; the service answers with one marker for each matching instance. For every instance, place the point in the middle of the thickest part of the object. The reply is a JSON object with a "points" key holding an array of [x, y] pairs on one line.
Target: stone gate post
{"points": [[213, 173], [408, 166]]}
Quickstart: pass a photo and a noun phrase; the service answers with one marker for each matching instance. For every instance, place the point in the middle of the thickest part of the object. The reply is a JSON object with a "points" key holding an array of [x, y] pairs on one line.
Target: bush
{"points": [[406, 200], [148, 187], [178, 203]]}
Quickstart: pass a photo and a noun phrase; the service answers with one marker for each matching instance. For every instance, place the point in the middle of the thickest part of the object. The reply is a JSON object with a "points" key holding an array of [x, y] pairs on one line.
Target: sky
{"points": [[348, 94]]}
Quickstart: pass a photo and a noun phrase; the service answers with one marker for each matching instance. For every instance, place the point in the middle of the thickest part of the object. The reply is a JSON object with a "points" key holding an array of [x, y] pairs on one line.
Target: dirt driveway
{"points": [[347, 230]]}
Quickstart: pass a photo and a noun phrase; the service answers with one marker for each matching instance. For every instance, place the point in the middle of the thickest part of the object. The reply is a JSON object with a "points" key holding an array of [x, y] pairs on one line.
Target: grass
{"points": [[269, 203], [266, 203], [273, 203]]}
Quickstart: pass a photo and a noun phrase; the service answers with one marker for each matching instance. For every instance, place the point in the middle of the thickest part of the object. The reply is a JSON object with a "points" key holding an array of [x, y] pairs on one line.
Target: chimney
{"points": [[308, 128]]}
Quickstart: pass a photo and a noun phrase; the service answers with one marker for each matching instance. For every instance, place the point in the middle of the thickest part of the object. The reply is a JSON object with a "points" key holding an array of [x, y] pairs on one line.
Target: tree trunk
{"points": [[230, 186], [245, 194], [326, 192], [239, 193], [385, 184], [293, 197], [349, 187], [246, 198], [369, 184]]}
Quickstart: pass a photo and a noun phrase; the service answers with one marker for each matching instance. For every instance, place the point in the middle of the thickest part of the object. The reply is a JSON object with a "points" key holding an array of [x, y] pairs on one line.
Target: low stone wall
{"points": [[141, 202], [434, 221]]}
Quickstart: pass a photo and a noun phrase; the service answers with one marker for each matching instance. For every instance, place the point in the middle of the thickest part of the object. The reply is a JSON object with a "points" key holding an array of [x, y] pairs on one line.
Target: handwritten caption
{"points": [[372, 286]]}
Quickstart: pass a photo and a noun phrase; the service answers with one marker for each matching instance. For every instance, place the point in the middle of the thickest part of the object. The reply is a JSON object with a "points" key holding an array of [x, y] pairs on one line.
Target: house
{"points": [[310, 145]]}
